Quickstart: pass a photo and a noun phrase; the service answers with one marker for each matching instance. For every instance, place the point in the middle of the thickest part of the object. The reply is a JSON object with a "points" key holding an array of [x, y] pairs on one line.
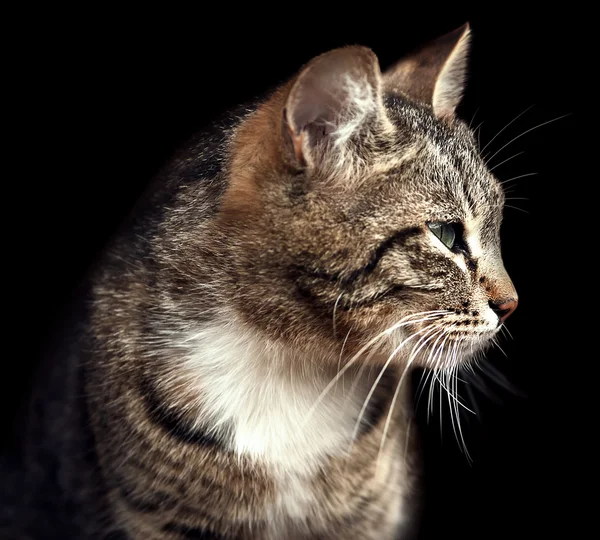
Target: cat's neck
{"points": [[277, 410]]}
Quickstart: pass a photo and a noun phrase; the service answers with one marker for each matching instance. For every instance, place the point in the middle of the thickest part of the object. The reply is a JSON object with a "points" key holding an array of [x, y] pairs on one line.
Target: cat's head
{"points": [[358, 206]]}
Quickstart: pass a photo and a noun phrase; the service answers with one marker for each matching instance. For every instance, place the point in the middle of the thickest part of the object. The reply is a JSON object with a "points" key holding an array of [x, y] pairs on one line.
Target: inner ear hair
{"points": [[330, 101]]}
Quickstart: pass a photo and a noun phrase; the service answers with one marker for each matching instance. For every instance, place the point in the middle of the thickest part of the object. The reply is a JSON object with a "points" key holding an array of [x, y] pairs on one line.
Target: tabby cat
{"points": [[241, 366]]}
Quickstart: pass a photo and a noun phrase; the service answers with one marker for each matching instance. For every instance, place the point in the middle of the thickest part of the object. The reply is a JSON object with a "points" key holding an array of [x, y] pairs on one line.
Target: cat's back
{"points": [[51, 485]]}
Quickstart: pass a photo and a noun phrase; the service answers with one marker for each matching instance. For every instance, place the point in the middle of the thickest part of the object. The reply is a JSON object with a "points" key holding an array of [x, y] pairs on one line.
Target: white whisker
{"points": [[342, 350], [525, 133], [518, 177], [477, 131], [422, 384], [404, 322], [462, 441], [495, 342], [505, 329], [376, 382], [449, 391], [507, 125], [503, 162], [473, 118], [516, 208], [334, 310], [434, 368], [418, 346]]}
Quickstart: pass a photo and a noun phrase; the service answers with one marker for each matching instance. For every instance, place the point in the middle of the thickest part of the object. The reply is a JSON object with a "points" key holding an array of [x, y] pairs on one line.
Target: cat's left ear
{"points": [[333, 103], [434, 74]]}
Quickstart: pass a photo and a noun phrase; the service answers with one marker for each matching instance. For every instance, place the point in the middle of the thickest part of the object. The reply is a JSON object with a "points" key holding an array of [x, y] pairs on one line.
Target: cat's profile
{"points": [[240, 368]]}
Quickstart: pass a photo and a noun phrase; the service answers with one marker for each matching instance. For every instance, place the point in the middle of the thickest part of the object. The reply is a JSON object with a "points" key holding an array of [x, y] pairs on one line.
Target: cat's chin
{"points": [[461, 348], [440, 352]]}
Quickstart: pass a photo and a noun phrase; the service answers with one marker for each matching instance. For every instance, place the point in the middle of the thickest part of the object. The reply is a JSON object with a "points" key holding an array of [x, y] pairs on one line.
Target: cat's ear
{"points": [[434, 74], [334, 99]]}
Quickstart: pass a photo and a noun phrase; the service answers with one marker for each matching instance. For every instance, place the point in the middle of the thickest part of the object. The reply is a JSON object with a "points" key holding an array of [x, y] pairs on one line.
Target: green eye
{"points": [[445, 232]]}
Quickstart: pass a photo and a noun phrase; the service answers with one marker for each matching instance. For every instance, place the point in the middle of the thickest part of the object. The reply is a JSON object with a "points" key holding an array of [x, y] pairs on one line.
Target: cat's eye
{"points": [[446, 232]]}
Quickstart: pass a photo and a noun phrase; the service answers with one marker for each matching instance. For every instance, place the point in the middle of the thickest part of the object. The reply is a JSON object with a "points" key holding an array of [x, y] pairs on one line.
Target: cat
{"points": [[239, 369]]}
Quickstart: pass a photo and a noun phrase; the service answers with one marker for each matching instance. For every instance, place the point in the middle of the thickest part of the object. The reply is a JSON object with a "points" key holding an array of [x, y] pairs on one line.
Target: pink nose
{"points": [[505, 309]]}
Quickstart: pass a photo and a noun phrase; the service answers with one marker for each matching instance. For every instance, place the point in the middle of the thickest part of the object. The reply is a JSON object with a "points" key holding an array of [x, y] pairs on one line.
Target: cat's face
{"points": [[370, 222]]}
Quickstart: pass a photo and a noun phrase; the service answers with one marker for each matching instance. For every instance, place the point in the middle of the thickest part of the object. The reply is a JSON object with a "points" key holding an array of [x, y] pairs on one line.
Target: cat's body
{"points": [[285, 490], [227, 377]]}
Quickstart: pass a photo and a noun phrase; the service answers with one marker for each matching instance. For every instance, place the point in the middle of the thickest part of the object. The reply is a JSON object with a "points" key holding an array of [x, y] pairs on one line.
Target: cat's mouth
{"points": [[440, 343], [459, 346]]}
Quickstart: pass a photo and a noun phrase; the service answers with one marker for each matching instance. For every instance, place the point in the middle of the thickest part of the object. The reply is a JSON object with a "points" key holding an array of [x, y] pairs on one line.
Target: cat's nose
{"points": [[504, 309]]}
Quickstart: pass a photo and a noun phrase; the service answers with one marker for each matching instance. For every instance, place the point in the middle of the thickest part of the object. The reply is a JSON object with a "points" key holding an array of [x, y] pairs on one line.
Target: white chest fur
{"points": [[269, 400], [272, 409]]}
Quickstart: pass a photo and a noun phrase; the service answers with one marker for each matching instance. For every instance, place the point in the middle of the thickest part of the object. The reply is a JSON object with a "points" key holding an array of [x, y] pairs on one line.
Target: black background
{"points": [[117, 94]]}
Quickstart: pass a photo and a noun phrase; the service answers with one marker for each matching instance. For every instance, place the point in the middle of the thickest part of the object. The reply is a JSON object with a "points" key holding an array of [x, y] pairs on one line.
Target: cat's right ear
{"points": [[334, 100], [434, 74]]}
